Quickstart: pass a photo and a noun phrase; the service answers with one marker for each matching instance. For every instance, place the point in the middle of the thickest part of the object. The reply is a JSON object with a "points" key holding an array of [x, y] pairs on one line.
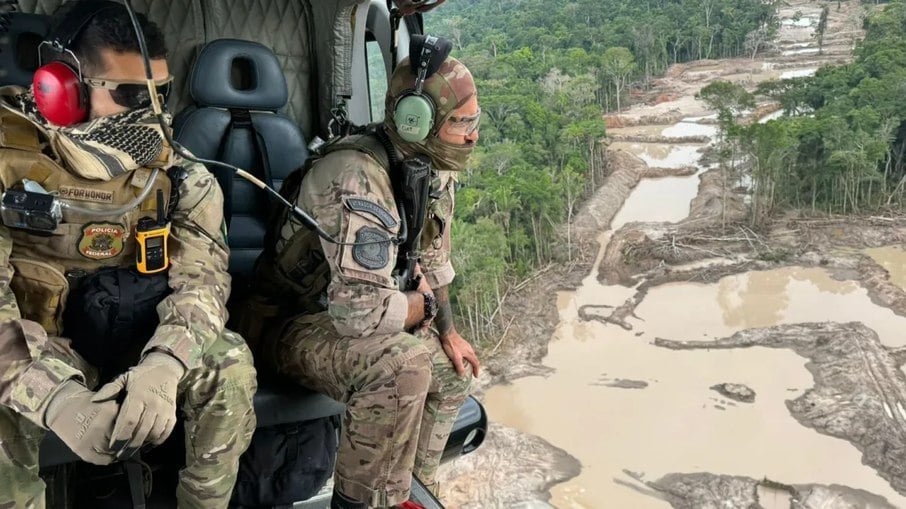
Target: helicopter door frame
{"points": [[373, 28]]}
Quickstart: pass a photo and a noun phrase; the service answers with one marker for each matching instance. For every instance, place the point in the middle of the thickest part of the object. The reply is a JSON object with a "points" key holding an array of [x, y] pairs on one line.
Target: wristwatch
{"points": [[430, 309]]}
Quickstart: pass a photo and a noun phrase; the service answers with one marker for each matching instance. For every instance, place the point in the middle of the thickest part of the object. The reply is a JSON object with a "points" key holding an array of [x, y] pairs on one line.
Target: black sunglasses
{"points": [[132, 94]]}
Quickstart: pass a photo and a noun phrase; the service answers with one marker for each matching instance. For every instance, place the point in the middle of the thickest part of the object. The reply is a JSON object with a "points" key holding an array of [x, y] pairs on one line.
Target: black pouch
{"points": [[111, 315], [286, 463]]}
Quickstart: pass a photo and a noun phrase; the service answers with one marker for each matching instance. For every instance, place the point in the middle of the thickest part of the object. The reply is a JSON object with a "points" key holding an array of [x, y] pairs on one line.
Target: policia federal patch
{"points": [[101, 240], [372, 249]]}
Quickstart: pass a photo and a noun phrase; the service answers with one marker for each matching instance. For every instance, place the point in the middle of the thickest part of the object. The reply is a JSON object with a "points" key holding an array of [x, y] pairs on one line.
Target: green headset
{"points": [[413, 111]]}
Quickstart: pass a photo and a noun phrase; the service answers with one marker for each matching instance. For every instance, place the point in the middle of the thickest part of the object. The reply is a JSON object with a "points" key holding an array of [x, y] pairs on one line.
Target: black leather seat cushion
{"points": [[240, 75], [202, 130]]}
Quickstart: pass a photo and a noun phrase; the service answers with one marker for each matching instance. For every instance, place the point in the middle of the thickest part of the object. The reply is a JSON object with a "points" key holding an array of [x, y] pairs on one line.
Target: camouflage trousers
{"points": [[216, 400], [402, 397]]}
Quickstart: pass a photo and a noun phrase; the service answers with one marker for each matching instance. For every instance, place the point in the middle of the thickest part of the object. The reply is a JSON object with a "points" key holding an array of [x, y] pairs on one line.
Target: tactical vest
{"points": [[45, 265], [293, 280]]}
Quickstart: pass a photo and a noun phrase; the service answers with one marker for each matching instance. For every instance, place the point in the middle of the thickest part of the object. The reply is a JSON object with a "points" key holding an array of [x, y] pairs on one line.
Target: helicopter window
{"points": [[377, 78]]}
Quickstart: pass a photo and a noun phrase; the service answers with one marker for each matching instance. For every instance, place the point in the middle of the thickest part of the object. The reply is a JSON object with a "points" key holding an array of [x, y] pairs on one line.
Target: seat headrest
{"points": [[230, 73], [19, 47]]}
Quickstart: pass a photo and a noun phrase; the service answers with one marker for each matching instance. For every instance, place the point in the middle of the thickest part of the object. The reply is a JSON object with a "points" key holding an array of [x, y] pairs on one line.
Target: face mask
{"points": [[444, 156], [105, 147], [448, 156]]}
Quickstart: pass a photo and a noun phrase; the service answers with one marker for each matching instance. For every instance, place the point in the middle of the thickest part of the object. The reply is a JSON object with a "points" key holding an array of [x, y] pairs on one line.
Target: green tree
{"points": [[730, 100], [821, 29], [618, 64]]}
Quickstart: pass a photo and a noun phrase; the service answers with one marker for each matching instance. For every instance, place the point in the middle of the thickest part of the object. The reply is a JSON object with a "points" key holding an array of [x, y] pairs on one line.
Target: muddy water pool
{"points": [[803, 51], [662, 155], [632, 406], [893, 259], [799, 23], [798, 73], [668, 198], [690, 128], [625, 407]]}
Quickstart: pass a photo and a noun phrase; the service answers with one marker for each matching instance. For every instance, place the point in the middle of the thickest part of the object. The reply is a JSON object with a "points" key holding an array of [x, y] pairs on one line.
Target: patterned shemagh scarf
{"points": [[444, 156], [103, 148]]}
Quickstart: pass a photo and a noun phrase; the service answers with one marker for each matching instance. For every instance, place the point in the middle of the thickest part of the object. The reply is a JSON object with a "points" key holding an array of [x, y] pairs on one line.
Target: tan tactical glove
{"points": [[148, 413], [83, 424]]}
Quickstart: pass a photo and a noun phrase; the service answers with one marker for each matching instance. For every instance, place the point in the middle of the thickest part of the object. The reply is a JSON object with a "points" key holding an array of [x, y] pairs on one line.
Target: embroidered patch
{"points": [[372, 249], [140, 177], [102, 240], [375, 209], [85, 194]]}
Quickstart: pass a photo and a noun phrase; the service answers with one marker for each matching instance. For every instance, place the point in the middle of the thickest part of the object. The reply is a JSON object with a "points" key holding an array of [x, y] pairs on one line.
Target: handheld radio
{"points": [[151, 236]]}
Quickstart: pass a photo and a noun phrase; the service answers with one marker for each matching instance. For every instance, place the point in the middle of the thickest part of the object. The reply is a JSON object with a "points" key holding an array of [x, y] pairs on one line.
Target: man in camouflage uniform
{"points": [[190, 359], [402, 381]]}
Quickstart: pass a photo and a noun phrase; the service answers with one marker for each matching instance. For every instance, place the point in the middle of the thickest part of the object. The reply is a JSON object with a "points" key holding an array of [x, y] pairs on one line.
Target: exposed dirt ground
{"points": [[692, 491]]}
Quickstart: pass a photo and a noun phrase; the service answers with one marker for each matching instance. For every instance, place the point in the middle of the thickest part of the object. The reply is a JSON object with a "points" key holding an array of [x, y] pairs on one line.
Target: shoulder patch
{"points": [[375, 209], [85, 194], [372, 249]]}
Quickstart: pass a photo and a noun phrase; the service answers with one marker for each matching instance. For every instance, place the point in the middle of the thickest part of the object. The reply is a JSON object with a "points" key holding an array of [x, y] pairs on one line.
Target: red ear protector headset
{"points": [[61, 90]]}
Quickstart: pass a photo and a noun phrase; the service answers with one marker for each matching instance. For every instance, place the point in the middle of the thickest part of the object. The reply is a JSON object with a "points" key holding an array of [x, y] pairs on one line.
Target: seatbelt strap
{"points": [[242, 119], [225, 177], [264, 161], [136, 478]]}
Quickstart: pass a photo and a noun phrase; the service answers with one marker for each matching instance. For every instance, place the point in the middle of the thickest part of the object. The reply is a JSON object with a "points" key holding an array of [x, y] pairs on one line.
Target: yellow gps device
{"points": [[151, 254]]}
